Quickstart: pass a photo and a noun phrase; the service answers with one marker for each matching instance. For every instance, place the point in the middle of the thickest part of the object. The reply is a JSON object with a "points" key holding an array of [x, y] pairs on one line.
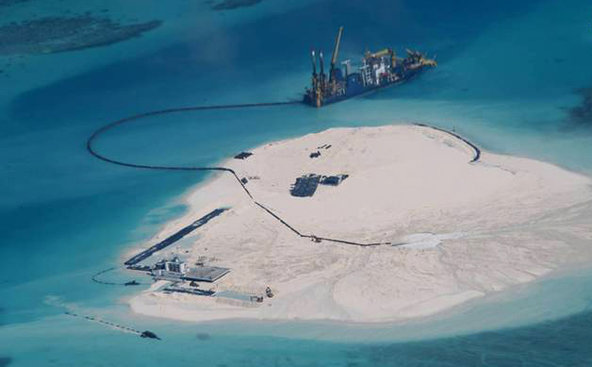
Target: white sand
{"points": [[470, 228]]}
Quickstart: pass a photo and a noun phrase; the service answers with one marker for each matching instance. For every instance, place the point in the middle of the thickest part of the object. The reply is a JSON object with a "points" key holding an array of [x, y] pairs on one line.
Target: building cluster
{"points": [[177, 270], [306, 185]]}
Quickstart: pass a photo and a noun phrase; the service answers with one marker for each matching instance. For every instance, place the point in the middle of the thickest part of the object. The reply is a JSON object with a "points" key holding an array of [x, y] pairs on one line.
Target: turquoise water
{"points": [[507, 74]]}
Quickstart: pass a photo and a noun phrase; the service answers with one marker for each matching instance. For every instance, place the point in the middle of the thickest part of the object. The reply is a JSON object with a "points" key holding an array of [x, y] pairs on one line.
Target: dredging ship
{"points": [[378, 70]]}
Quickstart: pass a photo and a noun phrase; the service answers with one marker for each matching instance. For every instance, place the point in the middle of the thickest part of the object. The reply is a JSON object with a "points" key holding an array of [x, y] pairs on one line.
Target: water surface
{"points": [[508, 74]]}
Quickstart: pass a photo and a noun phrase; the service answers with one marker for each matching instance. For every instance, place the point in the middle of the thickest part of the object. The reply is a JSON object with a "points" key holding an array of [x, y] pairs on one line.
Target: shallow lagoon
{"points": [[506, 78]]}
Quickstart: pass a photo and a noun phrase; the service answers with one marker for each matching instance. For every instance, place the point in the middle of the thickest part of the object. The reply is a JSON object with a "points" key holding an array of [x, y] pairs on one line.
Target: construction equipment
{"points": [[378, 70], [332, 77]]}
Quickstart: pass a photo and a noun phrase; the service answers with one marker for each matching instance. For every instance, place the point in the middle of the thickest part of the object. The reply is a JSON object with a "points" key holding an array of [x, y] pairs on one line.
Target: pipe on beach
{"points": [[91, 149]]}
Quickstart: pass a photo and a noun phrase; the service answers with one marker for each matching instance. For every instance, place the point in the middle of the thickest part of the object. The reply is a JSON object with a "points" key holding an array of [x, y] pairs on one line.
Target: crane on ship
{"points": [[420, 58], [320, 85], [333, 70]]}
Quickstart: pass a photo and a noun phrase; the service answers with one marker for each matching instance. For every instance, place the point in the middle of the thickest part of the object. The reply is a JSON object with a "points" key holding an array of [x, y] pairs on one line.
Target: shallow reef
{"points": [[11, 2], [233, 4], [5, 361], [66, 33], [582, 114], [563, 342]]}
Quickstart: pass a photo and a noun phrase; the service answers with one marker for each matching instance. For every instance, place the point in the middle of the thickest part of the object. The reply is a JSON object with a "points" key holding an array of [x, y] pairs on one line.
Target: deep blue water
{"points": [[507, 74]]}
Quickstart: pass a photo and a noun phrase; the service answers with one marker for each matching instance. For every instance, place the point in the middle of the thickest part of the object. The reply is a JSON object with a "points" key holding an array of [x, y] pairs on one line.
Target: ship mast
{"points": [[334, 57], [314, 70], [320, 94], [322, 75]]}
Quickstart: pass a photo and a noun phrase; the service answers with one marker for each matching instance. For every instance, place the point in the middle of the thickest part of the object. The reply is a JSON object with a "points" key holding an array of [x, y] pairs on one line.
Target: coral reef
{"points": [[582, 114], [61, 33], [233, 4], [11, 2]]}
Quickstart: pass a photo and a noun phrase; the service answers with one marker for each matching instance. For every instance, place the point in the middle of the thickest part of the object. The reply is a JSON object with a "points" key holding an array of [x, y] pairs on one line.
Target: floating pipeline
{"points": [[142, 334], [96, 133], [476, 150], [316, 238], [96, 278]]}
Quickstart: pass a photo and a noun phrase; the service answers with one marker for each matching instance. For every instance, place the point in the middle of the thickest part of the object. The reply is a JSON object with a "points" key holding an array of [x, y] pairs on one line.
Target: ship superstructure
{"points": [[378, 69]]}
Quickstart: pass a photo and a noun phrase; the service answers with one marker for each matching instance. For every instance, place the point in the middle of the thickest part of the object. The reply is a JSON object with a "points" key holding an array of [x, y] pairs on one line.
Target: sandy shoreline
{"points": [[470, 229]]}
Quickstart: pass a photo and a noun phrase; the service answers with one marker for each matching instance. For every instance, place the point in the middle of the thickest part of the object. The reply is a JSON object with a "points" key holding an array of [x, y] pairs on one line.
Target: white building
{"points": [[175, 266]]}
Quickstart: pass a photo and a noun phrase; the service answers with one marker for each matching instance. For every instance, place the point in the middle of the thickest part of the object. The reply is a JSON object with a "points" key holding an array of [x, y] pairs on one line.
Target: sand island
{"points": [[446, 229]]}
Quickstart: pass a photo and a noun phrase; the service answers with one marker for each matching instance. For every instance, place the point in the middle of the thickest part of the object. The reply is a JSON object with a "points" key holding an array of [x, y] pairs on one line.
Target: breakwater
{"points": [[174, 237]]}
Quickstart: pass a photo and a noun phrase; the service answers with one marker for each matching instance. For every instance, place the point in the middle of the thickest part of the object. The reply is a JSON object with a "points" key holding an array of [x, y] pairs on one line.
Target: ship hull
{"points": [[356, 89]]}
